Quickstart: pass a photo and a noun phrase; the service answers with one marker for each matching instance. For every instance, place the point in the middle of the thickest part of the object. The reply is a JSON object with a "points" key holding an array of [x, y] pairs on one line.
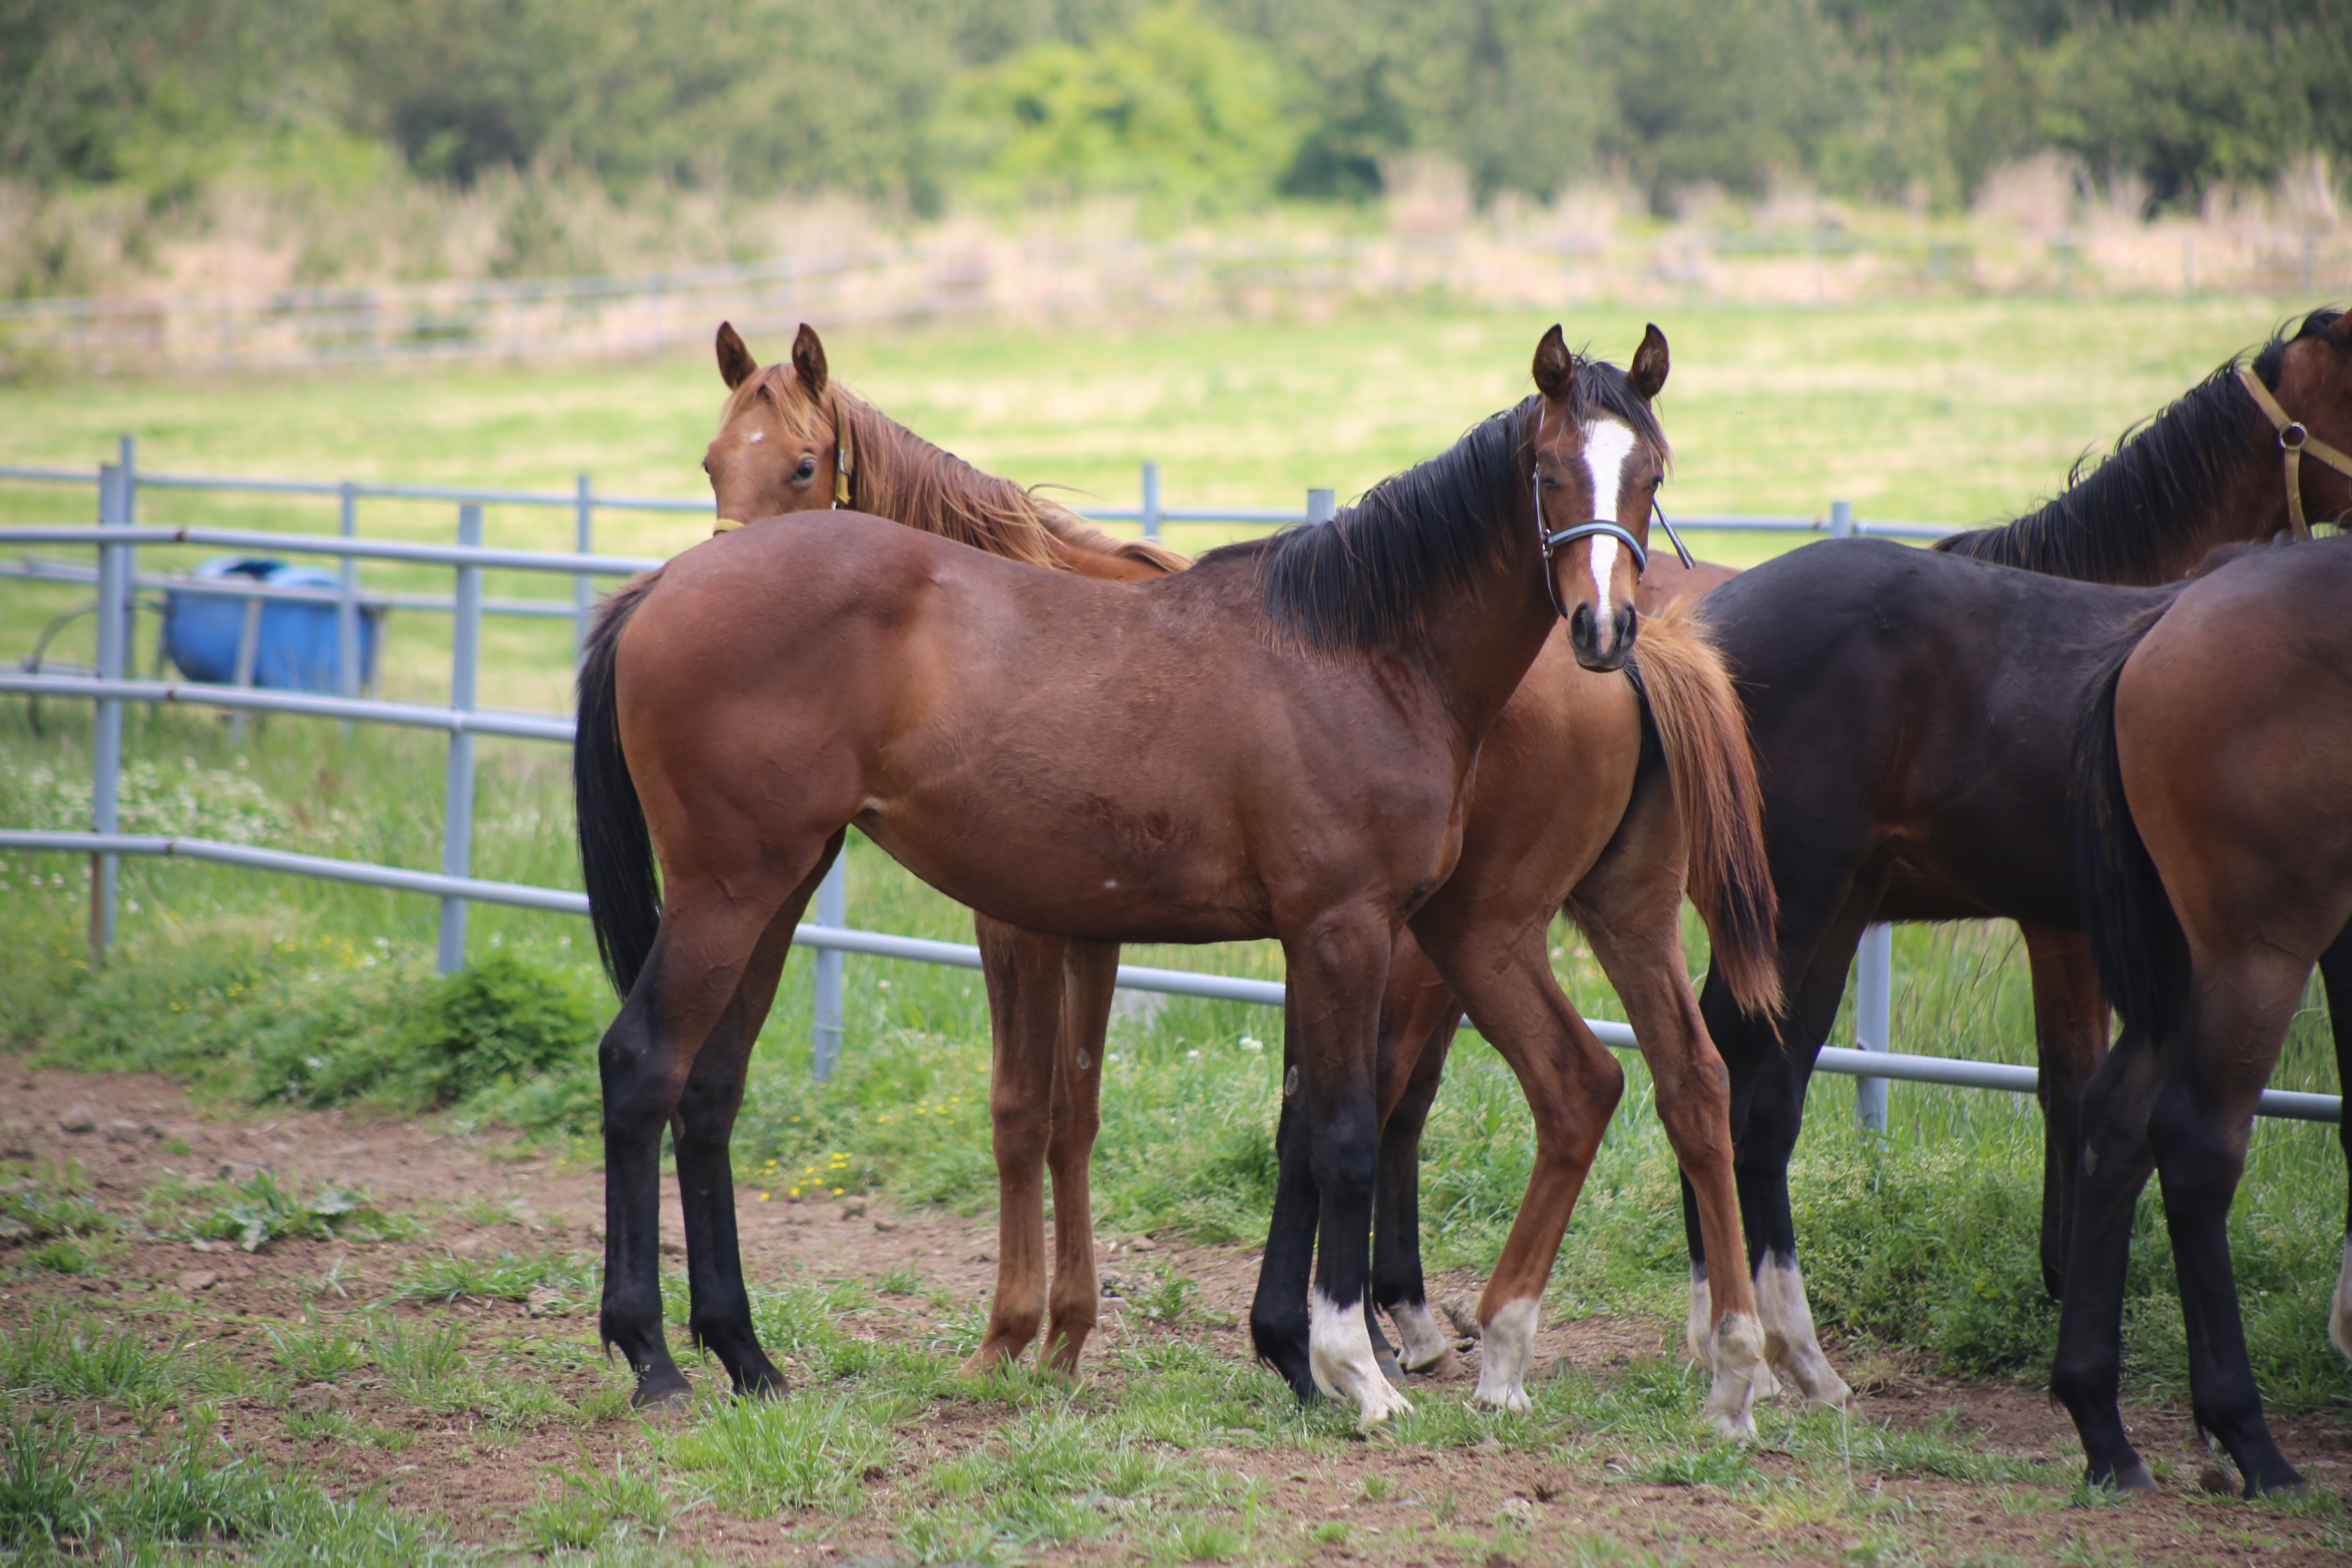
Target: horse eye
{"points": [[807, 469]]}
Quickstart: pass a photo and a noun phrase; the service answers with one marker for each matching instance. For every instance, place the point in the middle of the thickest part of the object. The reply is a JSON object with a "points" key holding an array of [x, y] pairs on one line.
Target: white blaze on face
{"points": [[1607, 443], [1340, 1356]]}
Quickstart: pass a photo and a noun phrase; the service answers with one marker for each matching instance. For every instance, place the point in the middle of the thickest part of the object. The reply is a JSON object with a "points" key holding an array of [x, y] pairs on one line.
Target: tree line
{"points": [[1204, 104]]}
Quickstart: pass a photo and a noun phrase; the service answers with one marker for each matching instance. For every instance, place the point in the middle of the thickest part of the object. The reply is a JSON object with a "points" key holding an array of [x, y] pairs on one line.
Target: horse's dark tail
{"points": [[2136, 938], [616, 851]]}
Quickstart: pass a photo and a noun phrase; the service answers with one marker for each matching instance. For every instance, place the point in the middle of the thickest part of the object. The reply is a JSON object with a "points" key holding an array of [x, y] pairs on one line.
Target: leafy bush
{"points": [[500, 1023]]}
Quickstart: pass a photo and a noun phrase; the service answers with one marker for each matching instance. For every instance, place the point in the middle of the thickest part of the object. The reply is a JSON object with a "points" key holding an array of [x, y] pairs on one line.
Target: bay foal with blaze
{"points": [[1594, 792]]}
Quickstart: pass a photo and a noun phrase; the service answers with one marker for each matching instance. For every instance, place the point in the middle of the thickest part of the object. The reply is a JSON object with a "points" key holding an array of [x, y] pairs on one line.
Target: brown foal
{"points": [[1586, 795]]}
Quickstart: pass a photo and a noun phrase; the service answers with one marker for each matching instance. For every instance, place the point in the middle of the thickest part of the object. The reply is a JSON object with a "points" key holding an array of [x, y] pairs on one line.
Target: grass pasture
{"points": [[150, 1419]]}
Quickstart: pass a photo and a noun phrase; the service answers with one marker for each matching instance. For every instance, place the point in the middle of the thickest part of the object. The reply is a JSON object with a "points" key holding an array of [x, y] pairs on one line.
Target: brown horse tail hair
{"points": [[617, 849], [1703, 729], [1068, 527], [2134, 933]]}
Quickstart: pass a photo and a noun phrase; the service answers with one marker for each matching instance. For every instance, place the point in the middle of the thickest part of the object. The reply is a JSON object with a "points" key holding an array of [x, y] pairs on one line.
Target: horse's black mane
{"points": [[2113, 523], [1368, 575]]}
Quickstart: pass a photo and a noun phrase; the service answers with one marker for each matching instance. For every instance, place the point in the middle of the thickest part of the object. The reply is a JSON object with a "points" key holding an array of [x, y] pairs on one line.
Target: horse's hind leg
{"points": [[2238, 1015], [647, 1062], [2335, 969], [1024, 971], [1417, 1025], [1090, 976], [2070, 1028], [1572, 1085], [2086, 1375], [719, 1311], [1821, 917]]}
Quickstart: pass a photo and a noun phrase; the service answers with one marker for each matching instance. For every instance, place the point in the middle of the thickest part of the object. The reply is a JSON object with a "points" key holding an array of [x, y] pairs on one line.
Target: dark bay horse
{"points": [[1275, 743], [1589, 790], [2215, 848], [1914, 758]]}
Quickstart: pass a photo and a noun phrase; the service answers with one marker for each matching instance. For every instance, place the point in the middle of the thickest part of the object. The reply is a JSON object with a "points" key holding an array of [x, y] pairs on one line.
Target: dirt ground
{"points": [[479, 1198]]}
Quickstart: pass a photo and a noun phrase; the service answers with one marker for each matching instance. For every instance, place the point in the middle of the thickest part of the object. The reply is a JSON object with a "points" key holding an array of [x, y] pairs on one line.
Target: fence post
{"points": [[584, 587], [1152, 496], [1841, 520], [832, 909], [105, 736], [457, 808], [1322, 505], [129, 584], [347, 607], [1873, 998]]}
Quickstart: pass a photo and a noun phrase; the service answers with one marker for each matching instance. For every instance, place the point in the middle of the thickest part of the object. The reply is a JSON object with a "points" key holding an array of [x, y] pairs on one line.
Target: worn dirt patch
{"points": [[1480, 1505]]}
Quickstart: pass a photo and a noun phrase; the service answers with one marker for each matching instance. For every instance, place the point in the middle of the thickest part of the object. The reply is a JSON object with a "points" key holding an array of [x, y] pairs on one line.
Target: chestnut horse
{"points": [[1840, 689], [2216, 856], [1013, 735], [1581, 796]]}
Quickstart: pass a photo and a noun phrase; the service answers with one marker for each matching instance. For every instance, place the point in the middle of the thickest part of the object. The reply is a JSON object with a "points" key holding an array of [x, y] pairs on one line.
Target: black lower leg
{"points": [[1398, 1287], [630, 1315], [2087, 1374], [2199, 1168], [719, 1316], [1279, 1318]]}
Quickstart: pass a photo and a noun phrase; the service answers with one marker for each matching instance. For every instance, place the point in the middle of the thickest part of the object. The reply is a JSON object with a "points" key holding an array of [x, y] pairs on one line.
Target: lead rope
{"points": [[2294, 442]]}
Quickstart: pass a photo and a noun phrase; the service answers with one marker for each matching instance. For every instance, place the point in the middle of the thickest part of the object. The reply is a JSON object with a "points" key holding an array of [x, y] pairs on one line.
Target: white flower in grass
{"points": [[1251, 1043]]}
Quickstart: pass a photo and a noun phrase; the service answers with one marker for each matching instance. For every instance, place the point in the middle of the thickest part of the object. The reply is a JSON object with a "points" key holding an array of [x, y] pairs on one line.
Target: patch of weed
{"points": [[313, 1351], [259, 1210], [572, 1282], [763, 1456]]}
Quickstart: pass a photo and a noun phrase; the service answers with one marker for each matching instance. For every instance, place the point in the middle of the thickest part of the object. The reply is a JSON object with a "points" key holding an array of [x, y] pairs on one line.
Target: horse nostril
{"points": [[1580, 625], [1629, 621]]}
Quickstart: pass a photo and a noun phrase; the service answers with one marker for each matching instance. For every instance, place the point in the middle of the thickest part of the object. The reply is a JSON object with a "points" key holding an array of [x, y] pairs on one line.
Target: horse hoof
{"points": [[661, 1397], [766, 1386], [1388, 1367], [2125, 1479]]}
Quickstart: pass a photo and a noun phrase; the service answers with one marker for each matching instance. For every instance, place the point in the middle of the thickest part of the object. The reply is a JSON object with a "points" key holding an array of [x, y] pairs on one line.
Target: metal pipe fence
{"points": [[117, 537]]}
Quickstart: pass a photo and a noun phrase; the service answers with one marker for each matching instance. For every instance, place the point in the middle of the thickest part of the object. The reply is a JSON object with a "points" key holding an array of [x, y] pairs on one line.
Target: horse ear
{"points": [[808, 359], [1555, 367], [736, 365], [1649, 371]]}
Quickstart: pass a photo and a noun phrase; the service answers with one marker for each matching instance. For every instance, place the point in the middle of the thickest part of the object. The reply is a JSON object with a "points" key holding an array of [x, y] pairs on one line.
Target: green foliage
{"points": [[1176, 108], [259, 1210], [1196, 105], [2183, 100], [498, 1021]]}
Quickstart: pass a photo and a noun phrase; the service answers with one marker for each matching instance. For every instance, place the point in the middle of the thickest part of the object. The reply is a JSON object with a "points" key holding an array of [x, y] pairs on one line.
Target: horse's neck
{"points": [[1476, 648], [2247, 500]]}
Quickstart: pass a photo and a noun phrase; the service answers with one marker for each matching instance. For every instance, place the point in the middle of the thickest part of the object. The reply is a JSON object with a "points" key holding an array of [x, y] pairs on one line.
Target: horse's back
{"points": [[1910, 697]]}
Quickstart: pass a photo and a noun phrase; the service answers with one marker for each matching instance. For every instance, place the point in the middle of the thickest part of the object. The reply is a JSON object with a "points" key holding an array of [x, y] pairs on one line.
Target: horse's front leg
{"points": [[1336, 967], [1090, 978], [1024, 971], [2070, 1030], [1279, 1325]]}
